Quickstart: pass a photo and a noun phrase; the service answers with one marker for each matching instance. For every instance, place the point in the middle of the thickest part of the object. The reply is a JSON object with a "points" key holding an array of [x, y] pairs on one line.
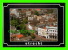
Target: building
{"points": [[43, 32], [49, 32], [14, 11], [28, 13]]}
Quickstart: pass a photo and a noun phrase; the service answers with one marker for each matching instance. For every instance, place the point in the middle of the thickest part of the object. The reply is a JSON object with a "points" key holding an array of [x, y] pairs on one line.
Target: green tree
{"points": [[14, 23], [22, 26], [36, 13], [25, 20]]}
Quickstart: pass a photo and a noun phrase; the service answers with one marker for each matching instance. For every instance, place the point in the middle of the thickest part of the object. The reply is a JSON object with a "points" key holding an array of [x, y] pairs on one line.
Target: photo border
{"points": [[43, 4]]}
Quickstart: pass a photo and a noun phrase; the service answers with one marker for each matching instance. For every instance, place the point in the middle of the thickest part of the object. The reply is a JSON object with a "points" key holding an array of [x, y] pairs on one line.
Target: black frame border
{"points": [[61, 23]]}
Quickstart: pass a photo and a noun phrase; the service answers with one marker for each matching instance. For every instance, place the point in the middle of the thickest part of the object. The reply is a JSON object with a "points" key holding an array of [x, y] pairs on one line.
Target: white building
{"points": [[28, 13], [14, 11], [52, 30], [43, 32], [30, 18], [48, 31]]}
